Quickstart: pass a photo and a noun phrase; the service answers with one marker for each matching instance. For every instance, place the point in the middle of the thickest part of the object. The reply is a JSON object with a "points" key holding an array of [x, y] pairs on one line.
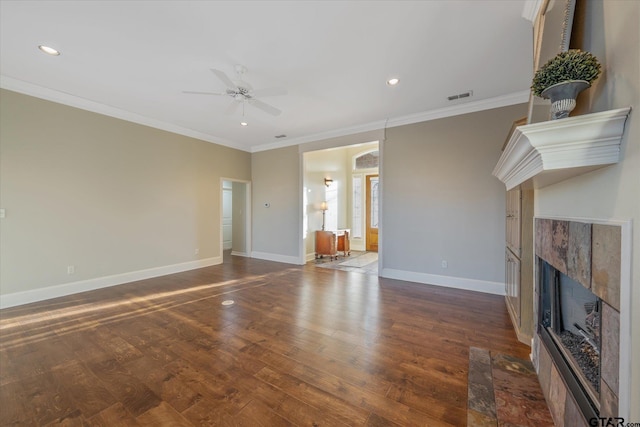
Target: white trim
{"points": [[469, 107], [310, 257], [303, 234], [20, 86], [456, 110], [624, 376], [244, 254], [247, 223], [531, 9], [30, 89], [357, 245], [277, 258], [555, 150], [35, 295], [381, 204], [495, 288]]}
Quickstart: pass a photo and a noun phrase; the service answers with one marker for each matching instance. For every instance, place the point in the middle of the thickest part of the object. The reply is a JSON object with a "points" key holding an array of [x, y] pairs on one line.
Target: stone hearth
{"points": [[504, 391]]}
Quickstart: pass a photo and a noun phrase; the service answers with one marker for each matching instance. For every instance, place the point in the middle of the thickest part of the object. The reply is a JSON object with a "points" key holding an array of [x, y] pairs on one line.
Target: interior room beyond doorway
{"points": [[340, 195]]}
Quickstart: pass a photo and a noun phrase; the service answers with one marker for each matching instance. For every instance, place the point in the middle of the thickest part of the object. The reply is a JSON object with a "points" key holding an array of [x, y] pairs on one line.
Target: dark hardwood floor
{"points": [[299, 346]]}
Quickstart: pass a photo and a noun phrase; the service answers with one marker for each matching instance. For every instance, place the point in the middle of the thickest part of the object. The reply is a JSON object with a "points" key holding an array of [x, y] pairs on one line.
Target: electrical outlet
{"points": [[71, 269], [444, 264]]}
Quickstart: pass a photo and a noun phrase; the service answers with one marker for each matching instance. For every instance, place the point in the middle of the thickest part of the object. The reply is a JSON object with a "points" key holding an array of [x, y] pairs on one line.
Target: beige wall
{"points": [[239, 218], [104, 195], [440, 201], [279, 175], [612, 33], [276, 177]]}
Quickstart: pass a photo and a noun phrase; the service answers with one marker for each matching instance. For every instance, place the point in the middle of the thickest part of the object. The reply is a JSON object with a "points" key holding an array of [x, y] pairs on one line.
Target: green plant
{"points": [[570, 65]]}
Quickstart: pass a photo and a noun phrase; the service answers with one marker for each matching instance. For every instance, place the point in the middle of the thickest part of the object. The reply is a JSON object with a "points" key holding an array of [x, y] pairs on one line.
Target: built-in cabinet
{"points": [[519, 262]]}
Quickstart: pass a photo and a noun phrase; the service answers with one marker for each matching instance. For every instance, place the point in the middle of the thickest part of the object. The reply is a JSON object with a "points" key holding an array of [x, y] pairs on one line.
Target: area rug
{"points": [[361, 261], [504, 391]]}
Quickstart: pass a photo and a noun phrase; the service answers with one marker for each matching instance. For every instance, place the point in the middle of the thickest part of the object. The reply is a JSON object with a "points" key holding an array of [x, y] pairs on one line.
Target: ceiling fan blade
{"points": [[232, 108], [265, 107], [224, 79], [195, 92], [271, 91]]}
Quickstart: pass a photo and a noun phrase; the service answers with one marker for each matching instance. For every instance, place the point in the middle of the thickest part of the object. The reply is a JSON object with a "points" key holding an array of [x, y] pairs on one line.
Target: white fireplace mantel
{"points": [[545, 153]]}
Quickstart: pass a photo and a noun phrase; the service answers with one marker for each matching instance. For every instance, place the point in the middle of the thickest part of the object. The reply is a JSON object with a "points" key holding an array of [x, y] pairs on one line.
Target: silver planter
{"points": [[563, 97]]}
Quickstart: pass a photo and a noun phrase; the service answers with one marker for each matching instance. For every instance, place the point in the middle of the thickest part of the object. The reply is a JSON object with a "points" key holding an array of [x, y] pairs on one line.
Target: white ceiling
{"points": [[134, 59]]}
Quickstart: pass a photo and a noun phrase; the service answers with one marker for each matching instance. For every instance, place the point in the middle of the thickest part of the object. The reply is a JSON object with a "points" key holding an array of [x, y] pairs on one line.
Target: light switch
{"points": [[2, 213]]}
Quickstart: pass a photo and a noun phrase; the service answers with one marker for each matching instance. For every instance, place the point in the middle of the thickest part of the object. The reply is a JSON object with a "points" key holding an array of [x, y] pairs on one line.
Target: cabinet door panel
{"points": [[512, 285], [513, 221]]}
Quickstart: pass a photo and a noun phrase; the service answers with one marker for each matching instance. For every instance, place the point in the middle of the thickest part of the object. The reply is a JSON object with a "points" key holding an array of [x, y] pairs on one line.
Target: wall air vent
{"points": [[281, 136], [460, 95]]}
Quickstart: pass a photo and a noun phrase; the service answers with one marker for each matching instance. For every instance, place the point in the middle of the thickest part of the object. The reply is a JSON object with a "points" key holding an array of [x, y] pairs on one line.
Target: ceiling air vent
{"points": [[460, 95], [281, 136]]}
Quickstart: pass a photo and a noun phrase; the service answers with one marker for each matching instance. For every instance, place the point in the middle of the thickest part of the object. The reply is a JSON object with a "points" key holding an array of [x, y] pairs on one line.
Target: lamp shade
{"points": [[323, 206]]}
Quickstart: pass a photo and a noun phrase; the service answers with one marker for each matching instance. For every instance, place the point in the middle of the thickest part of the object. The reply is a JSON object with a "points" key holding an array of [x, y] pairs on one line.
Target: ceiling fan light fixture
{"points": [[242, 93], [244, 124], [49, 50], [393, 81]]}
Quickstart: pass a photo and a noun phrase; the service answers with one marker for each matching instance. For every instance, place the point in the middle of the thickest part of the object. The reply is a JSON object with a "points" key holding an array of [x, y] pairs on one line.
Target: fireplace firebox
{"points": [[569, 325], [581, 308]]}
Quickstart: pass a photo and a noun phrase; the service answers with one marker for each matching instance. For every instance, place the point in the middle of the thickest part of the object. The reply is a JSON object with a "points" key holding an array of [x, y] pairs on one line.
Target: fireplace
{"points": [[569, 325], [581, 295]]}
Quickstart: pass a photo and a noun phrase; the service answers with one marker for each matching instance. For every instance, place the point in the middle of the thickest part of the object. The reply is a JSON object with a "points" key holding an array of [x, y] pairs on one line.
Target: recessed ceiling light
{"points": [[392, 82], [49, 50], [244, 124]]}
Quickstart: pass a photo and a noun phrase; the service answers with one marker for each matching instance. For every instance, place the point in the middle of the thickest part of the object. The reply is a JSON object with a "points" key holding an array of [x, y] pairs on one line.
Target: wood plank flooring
{"points": [[300, 346]]}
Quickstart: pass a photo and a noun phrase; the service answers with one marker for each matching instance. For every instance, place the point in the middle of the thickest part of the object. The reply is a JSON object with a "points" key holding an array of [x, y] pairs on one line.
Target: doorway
{"points": [[235, 218], [227, 215], [335, 187], [372, 212]]}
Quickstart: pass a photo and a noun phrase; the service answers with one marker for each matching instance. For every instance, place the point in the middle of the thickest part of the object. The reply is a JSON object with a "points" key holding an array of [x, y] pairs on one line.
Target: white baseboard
{"points": [[276, 257], [244, 254], [310, 257], [487, 287], [35, 295]]}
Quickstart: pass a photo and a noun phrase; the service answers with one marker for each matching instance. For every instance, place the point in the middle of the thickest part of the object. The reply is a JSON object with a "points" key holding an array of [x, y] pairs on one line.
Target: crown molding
{"points": [[30, 89], [469, 107], [531, 9], [545, 153]]}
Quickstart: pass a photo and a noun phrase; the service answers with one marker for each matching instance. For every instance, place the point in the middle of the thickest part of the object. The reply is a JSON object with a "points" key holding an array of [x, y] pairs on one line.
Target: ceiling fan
{"points": [[242, 92]]}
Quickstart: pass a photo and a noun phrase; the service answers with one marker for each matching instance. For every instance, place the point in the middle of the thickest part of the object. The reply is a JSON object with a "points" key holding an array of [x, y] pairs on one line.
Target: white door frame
{"points": [[247, 225]]}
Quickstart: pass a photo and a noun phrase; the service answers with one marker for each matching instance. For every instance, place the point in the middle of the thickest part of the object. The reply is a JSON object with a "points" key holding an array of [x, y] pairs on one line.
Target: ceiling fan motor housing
{"points": [[241, 92]]}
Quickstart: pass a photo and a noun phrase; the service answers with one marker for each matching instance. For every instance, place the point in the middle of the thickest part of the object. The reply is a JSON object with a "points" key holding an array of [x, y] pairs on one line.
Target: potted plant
{"points": [[563, 78]]}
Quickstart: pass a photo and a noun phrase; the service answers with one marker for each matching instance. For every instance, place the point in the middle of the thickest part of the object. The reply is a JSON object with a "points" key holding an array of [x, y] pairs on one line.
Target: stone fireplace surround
{"points": [[597, 255]]}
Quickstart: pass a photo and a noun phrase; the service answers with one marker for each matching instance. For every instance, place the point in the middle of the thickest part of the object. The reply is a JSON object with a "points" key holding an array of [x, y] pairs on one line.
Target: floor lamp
{"points": [[323, 207]]}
